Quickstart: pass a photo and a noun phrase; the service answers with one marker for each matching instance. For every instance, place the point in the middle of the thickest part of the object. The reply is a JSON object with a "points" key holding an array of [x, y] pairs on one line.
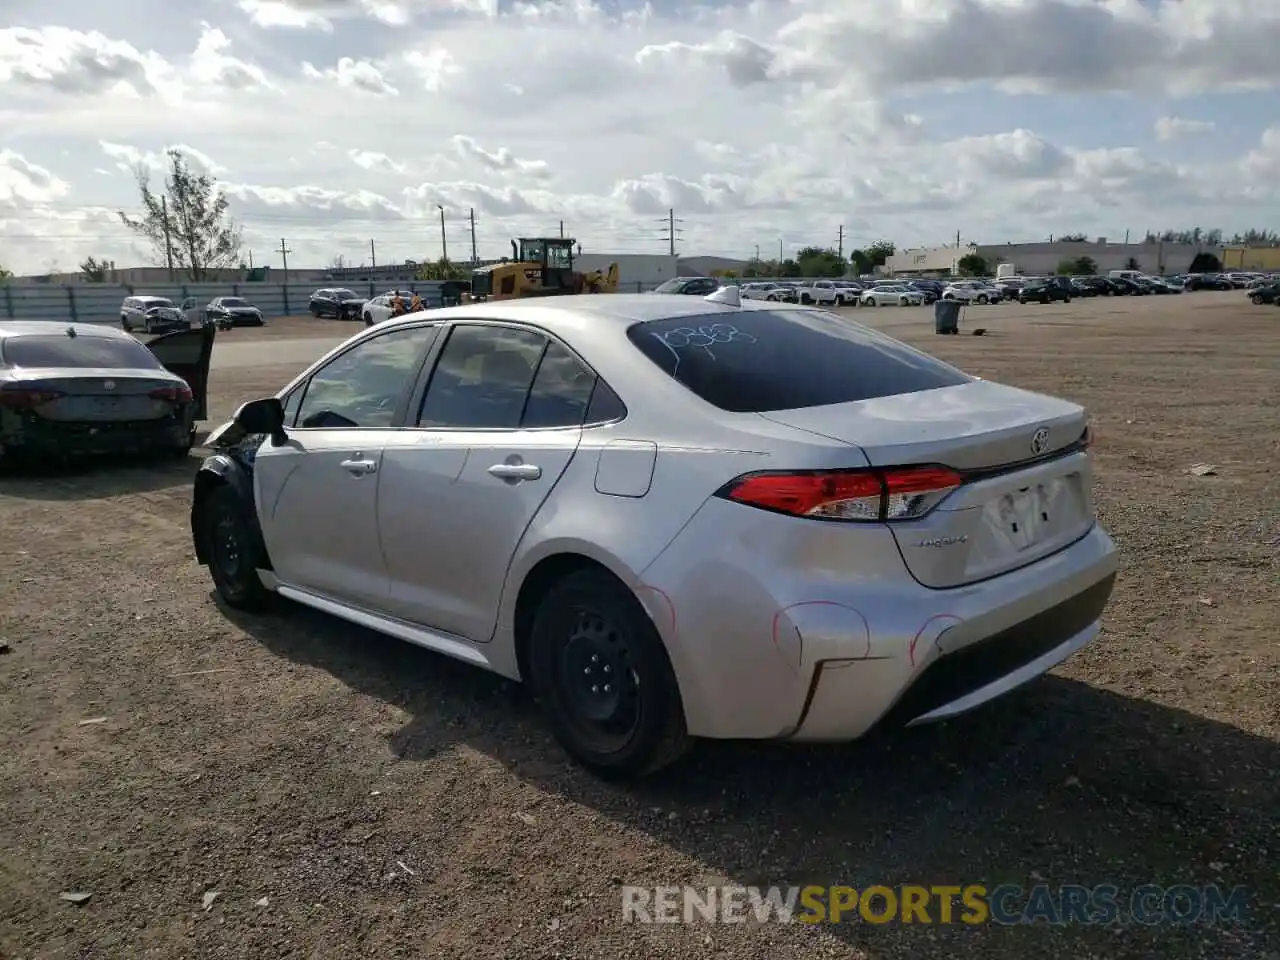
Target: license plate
{"points": [[1025, 516]]}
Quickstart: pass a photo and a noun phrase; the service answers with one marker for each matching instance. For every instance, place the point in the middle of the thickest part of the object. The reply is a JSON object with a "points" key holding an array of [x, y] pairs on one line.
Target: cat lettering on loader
{"points": [[540, 267]]}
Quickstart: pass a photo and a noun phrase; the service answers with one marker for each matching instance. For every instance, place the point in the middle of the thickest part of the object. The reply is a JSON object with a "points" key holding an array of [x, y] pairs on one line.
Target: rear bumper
{"points": [[842, 639], [49, 438]]}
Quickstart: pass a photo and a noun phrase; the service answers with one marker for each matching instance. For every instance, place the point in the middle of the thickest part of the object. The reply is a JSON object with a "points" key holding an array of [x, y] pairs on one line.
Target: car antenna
{"points": [[729, 296]]}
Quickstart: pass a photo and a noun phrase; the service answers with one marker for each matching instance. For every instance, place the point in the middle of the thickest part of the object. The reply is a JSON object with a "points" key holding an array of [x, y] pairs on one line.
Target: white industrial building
{"points": [[1038, 259], [636, 271]]}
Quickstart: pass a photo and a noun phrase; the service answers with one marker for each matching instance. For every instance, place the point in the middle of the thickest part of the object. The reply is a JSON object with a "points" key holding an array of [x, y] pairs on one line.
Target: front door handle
{"points": [[515, 471], [359, 467]]}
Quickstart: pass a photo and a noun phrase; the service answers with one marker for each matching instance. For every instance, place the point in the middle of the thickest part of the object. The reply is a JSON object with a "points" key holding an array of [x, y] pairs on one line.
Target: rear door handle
{"points": [[515, 471], [359, 467]]}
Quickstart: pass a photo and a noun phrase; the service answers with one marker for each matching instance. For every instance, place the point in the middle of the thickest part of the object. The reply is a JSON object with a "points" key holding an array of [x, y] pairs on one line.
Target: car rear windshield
{"points": [[64, 351], [756, 361]]}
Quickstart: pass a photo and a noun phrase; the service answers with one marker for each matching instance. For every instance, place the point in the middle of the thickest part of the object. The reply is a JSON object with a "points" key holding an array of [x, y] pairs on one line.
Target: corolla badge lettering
{"points": [[944, 541]]}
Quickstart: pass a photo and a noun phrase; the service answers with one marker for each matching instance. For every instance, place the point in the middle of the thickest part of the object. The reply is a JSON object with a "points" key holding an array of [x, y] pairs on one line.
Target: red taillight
{"points": [[172, 394], [876, 495], [27, 399]]}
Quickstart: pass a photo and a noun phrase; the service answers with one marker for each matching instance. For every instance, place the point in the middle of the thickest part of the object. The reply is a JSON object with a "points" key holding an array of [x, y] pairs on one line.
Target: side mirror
{"points": [[263, 416]]}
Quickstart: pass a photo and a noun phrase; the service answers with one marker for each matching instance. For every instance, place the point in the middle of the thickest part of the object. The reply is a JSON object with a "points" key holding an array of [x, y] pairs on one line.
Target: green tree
{"points": [[1077, 267], [442, 270], [789, 268], [972, 265], [95, 271], [187, 221], [820, 262], [1205, 263], [867, 259], [1072, 238], [5, 275]]}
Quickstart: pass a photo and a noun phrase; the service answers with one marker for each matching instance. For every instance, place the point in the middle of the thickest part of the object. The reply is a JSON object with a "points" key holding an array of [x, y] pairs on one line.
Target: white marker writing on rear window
{"points": [[701, 338]]}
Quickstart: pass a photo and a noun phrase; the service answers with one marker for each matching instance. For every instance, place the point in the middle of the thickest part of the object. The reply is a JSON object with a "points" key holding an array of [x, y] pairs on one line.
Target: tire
{"points": [[234, 555], [368, 319], [124, 324], [871, 301], [315, 311], [948, 296], [1256, 299], [983, 299], [623, 734], [1066, 299]]}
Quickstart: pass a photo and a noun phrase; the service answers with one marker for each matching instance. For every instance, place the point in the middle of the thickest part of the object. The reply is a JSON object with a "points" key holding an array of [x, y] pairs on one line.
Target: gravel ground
{"points": [[347, 795]]}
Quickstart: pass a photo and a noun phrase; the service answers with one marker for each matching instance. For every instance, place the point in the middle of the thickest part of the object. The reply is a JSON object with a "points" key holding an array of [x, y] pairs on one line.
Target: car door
{"points": [[499, 421], [317, 492]]}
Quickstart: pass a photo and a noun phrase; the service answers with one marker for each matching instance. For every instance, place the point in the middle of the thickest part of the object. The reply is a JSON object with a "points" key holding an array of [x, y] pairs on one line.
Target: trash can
{"points": [[946, 316]]}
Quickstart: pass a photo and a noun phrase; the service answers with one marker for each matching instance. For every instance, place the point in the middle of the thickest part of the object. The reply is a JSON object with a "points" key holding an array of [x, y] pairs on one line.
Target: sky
{"points": [[341, 127]]}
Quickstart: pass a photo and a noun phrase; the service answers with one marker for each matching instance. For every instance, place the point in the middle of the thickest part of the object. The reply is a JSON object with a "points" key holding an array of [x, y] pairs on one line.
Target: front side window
{"points": [[363, 386], [482, 378], [777, 360]]}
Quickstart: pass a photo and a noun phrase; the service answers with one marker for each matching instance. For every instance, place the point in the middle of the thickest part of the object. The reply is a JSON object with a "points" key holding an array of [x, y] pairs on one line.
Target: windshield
{"points": [[671, 286], [156, 302], [774, 360], [234, 302], [64, 351], [345, 295]]}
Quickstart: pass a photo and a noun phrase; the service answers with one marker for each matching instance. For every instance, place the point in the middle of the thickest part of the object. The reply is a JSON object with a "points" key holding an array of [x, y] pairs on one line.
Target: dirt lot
{"points": [[347, 795]]}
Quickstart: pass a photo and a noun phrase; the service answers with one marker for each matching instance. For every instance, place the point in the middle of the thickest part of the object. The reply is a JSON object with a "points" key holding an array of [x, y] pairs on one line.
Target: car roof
{"points": [[45, 328], [150, 296], [570, 314]]}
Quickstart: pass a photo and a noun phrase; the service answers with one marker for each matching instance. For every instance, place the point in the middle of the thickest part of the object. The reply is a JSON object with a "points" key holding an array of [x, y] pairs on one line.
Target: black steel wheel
{"points": [[602, 675], [231, 549]]}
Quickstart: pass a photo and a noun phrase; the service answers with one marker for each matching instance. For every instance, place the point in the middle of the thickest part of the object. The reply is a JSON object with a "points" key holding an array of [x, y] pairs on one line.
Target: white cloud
{"points": [[129, 158], [1174, 128], [23, 182], [434, 67], [336, 119], [354, 75], [501, 160]]}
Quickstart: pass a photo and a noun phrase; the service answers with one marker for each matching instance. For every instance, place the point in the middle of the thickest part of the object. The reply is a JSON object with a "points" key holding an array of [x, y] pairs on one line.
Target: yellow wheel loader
{"points": [[540, 267]]}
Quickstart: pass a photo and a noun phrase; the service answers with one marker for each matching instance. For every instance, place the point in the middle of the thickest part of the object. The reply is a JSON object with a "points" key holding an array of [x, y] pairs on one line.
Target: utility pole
{"points": [[168, 244], [957, 239], [781, 255], [840, 244], [672, 231], [373, 255], [284, 257], [561, 229], [444, 241], [474, 256], [1126, 238], [250, 259]]}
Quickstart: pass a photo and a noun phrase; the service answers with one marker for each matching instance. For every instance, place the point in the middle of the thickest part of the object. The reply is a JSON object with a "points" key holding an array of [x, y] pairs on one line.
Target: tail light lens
{"points": [[173, 394], [18, 399], [872, 495]]}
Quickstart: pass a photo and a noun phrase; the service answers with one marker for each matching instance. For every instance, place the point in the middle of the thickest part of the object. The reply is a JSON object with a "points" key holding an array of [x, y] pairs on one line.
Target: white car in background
{"points": [[756, 291], [379, 308], [972, 291], [820, 292], [892, 295]]}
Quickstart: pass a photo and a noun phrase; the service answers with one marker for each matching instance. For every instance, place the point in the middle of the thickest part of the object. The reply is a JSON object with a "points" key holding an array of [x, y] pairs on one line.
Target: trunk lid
{"points": [[1028, 490], [97, 395]]}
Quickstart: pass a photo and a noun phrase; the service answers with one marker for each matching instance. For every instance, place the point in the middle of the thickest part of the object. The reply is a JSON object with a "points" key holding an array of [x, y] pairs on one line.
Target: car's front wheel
{"points": [[231, 549], [602, 675], [870, 301], [124, 324], [982, 298]]}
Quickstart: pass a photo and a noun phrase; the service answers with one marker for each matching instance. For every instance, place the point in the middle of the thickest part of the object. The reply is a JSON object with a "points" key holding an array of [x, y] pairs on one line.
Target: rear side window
{"points": [[82, 352], [755, 361]]}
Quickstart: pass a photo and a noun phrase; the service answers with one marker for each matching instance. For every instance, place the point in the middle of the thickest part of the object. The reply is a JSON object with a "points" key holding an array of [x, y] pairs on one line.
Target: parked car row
{"points": [[156, 315]]}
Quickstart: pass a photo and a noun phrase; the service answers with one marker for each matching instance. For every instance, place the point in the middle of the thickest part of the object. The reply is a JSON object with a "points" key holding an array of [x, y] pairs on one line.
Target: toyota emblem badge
{"points": [[1040, 441]]}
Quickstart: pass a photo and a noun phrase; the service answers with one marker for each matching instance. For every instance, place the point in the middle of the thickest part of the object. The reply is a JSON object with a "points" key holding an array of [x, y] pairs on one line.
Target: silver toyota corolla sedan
{"points": [[675, 517]]}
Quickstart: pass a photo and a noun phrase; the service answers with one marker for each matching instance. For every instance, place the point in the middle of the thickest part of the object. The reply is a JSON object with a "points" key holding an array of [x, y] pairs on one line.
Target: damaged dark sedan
{"points": [[75, 389]]}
